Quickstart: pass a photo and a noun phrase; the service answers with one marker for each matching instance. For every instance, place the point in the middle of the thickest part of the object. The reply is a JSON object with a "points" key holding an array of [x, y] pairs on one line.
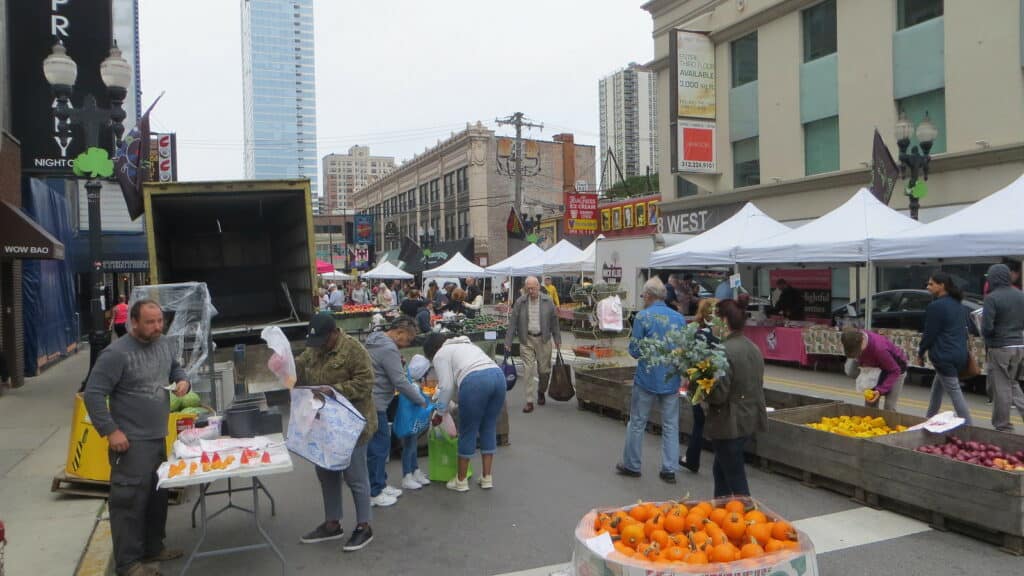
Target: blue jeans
{"points": [[639, 410], [377, 454], [730, 470], [481, 396], [409, 462], [693, 449]]}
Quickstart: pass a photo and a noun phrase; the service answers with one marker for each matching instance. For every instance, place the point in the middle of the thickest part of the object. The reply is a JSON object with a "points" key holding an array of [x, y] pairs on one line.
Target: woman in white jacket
{"points": [[465, 372]]}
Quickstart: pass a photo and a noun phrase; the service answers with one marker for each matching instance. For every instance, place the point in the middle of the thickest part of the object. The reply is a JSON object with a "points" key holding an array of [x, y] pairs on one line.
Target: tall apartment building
{"points": [[343, 174], [461, 188], [629, 122], [279, 89]]}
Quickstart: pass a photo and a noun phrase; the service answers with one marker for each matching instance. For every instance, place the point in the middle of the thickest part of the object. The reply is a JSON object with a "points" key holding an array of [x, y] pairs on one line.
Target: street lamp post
{"points": [[61, 72], [915, 161]]}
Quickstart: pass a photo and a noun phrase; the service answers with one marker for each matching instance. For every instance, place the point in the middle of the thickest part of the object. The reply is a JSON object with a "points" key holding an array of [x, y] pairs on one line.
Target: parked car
{"points": [[902, 309]]}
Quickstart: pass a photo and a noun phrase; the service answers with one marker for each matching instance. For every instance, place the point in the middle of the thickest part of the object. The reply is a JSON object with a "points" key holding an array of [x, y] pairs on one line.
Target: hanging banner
{"points": [[581, 213], [694, 73], [364, 229], [634, 217]]}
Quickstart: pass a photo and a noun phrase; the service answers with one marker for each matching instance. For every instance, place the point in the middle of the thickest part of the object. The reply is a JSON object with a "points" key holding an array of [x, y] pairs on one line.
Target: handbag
{"points": [[971, 369], [508, 367], [560, 385], [411, 418]]}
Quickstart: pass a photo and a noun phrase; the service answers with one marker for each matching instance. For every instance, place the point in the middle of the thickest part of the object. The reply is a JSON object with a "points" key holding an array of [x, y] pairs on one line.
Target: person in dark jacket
{"points": [[1002, 325], [945, 342], [704, 319], [791, 301], [735, 407]]}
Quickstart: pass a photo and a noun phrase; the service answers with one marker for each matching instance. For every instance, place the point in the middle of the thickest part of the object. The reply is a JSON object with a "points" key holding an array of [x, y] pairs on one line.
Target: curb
{"points": [[97, 559]]}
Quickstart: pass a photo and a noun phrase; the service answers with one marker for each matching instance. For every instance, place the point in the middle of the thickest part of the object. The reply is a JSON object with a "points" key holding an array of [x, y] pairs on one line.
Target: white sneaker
{"points": [[392, 491], [457, 486], [383, 500], [409, 483], [420, 478], [486, 482]]}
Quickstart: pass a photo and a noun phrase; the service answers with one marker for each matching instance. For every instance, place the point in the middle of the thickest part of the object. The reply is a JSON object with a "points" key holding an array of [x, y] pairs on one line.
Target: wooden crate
{"points": [[607, 390], [942, 489], [814, 454]]}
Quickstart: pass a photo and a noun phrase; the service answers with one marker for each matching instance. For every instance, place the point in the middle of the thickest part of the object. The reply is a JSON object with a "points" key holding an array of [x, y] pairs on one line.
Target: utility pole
{"points": [[518, 120]]}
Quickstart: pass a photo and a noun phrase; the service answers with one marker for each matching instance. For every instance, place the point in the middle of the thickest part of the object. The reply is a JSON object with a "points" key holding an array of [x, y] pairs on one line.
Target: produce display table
{"points": [[826, 341], [779, 343], [281, 463]]}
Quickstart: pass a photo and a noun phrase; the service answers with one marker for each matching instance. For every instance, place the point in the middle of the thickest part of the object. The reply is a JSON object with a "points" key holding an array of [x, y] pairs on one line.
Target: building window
{"points": [[463, 224], [913, 12], [744, 60], [434, 186], [819, 23], [821, 146], [746, 163], [449, 227], [462, 181], [934, 105], [449, 185]]}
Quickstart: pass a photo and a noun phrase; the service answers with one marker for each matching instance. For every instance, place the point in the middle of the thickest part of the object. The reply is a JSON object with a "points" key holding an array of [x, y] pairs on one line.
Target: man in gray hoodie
{"points": [[1002, 325], [388, 377]]}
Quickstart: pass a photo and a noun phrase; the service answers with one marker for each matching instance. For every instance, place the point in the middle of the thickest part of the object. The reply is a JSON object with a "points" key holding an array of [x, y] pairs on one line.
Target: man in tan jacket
{"points": [[534, 320]]}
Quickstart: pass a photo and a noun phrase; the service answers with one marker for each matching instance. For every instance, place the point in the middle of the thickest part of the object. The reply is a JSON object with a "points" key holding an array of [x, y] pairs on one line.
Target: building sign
{"points": [[611, 273], [163, 158], [631, 217], [364, 229], [696, 151], [814, 284], [694, 74], [696, 220], [391, 231], [580, 213], [360, 256], [85, 28]]}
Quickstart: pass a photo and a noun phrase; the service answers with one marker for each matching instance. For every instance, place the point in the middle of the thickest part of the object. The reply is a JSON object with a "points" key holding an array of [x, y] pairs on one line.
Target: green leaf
{"points": [[94, 163]]}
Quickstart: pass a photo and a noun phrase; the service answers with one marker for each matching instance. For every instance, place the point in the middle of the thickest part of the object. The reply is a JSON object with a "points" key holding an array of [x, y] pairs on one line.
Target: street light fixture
{"points": [[915, 161], [61, 72]]}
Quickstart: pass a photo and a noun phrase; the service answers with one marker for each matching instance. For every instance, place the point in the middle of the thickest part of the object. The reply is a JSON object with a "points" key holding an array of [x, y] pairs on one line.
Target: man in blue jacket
{"points": [[651, 385]]}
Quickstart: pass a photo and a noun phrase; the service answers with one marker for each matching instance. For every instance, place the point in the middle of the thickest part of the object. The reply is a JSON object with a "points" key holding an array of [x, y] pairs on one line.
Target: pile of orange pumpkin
{"points": [[674, 533]]}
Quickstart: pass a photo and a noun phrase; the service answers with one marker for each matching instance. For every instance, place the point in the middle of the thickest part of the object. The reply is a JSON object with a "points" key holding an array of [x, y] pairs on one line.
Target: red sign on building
{"points": [[581, 213]]}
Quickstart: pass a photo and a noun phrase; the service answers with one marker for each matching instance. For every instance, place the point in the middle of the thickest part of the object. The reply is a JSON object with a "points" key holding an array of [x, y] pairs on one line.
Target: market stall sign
{"points": [[815, 285]]}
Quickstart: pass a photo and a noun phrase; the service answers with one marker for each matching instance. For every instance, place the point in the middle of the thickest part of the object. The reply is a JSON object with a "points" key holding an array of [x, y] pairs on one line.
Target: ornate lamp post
{"points": [[915, 161], [61, 72]]}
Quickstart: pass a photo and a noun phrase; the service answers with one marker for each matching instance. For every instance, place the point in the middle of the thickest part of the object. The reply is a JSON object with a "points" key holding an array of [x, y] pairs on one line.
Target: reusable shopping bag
{"points": [[443, 455], [560, 386], [509, 368], [324, 429], [410, 418]]}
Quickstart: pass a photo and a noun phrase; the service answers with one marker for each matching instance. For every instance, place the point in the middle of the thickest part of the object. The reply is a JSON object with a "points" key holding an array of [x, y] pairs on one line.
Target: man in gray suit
{"points": [[534, 319]]}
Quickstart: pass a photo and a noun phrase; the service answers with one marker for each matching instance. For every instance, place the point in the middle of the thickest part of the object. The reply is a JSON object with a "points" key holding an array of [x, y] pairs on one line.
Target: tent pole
{"points": [[871, 291], [736, 291]]}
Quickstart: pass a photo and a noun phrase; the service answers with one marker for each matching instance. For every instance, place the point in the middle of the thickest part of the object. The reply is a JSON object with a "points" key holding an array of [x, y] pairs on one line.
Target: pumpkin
{"points": [[735, 506], [751, 550], [660, 537], [783, 530], [718, 515], [674, 554], [760, 532], [755, 516], [696, 557], [641, 512], [734, 527], [675, 522], [723, 553], [633, 535]]}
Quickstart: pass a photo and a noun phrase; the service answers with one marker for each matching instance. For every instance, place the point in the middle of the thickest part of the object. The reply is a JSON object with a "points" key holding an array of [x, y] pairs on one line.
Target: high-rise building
{"points": [[279, 89], [629, 126], [345, 174]]}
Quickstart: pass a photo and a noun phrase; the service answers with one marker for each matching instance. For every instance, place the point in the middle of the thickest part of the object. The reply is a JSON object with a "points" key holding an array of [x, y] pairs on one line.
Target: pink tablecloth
{"points": [[779, 343]]}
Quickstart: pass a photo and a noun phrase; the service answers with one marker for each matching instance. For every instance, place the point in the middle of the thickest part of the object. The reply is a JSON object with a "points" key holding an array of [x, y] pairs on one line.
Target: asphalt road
{"points": [[559, 466]]}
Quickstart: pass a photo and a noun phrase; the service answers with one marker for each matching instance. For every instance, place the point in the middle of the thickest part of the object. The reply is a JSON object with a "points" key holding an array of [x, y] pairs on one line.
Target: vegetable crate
{"points": [[605, 390], [979, 501], [815, 456]]}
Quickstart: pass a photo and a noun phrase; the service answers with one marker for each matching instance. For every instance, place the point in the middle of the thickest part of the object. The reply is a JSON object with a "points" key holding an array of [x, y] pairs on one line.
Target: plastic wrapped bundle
{"points": [[188, 313]]}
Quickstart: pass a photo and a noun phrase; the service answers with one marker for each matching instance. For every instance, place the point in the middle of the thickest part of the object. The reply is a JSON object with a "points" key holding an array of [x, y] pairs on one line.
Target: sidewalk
{"points": [[46, 532]]}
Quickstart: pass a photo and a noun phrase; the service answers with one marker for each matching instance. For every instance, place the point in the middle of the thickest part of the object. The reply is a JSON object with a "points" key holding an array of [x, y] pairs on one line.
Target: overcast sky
{"points": [[396, 75]]}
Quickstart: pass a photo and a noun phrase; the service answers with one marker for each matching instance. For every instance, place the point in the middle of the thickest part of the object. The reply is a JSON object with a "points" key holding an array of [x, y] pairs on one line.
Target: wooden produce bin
{"points": [[816, 457], [948, 492], [606, 390]]}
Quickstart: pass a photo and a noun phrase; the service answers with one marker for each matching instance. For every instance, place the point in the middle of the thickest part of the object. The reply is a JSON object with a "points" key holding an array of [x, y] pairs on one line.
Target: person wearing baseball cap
{"points": [[336, 363]]}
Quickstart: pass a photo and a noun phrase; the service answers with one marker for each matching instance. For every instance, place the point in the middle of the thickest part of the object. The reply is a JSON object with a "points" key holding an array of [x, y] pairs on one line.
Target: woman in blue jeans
{"points": [[945, 341], [464, 371]]}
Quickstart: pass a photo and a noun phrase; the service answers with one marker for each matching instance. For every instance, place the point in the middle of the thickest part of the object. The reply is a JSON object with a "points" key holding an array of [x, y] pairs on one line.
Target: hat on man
{"points": [[320, 327], [418, 367]]}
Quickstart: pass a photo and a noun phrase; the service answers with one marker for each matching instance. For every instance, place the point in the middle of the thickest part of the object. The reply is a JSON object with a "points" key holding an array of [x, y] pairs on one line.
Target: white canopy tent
{"points": [[992, 226], [718, 246], [387, 271], [456, 267], [585, 263], [564, 253], [840, 236], [527, 262], [336, 276]]}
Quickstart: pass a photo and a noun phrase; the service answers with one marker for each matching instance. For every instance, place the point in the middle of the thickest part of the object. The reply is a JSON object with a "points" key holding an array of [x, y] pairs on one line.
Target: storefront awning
{"points": [[23, 237]]}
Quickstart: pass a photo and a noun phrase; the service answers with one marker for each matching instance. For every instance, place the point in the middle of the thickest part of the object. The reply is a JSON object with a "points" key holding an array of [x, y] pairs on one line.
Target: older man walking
{"points": [[651, 385], [534, 320]]}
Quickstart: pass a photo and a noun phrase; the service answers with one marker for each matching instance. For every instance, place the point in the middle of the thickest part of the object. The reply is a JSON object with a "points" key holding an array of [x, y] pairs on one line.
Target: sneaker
{"points": [[383, 500], [392, 491], [361, 536], [323, 533], [409, 483], [457, 486], [486, 482], [668, 477], [165, 555], [623, 471], [421, 478], [140, 569]]}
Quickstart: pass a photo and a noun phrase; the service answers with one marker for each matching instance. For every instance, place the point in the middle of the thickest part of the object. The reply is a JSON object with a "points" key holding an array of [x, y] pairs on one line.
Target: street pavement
{"points": [[559, 466]]}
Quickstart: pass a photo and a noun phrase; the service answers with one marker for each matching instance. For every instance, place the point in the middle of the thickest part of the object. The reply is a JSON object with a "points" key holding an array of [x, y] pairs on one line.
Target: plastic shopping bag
{"points": [[609, 314], [443, 455], [448, 425], [282, 362], [323, 428], [868, 378], [410, 418]]}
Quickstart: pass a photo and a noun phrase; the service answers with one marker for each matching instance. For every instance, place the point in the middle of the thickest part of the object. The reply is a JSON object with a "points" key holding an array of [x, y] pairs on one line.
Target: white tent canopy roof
{"points": [[456, 267], [718, 246], [992, 226], [561, 254], [527, 262], [387, 271], [336, 276], [583, 263], [840, 236]]}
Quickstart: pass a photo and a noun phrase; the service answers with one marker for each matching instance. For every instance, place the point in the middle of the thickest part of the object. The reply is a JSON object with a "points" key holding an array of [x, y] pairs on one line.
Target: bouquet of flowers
{"points": [[688, 353]]}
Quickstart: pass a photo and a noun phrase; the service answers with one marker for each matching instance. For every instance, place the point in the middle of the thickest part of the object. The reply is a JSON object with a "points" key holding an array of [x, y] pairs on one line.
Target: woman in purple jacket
{"points": [[865, 349]]}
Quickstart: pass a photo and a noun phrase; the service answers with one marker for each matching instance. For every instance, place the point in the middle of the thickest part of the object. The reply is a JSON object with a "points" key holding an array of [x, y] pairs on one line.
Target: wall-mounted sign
{"points": [[363, 229], [814, 284], [696, 141], [695, 220], [641, 215], [391, 231], [617, 218], [580, 213], [694, 74], [611, 273]]}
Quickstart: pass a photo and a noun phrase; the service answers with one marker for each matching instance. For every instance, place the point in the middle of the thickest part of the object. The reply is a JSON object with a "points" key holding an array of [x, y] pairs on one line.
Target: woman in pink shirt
{"points": [[865, 349], [119, 319]]}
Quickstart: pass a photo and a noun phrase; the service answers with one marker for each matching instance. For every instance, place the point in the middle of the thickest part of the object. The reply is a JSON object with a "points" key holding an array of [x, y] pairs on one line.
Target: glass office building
{"points": [[278, 72]]}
